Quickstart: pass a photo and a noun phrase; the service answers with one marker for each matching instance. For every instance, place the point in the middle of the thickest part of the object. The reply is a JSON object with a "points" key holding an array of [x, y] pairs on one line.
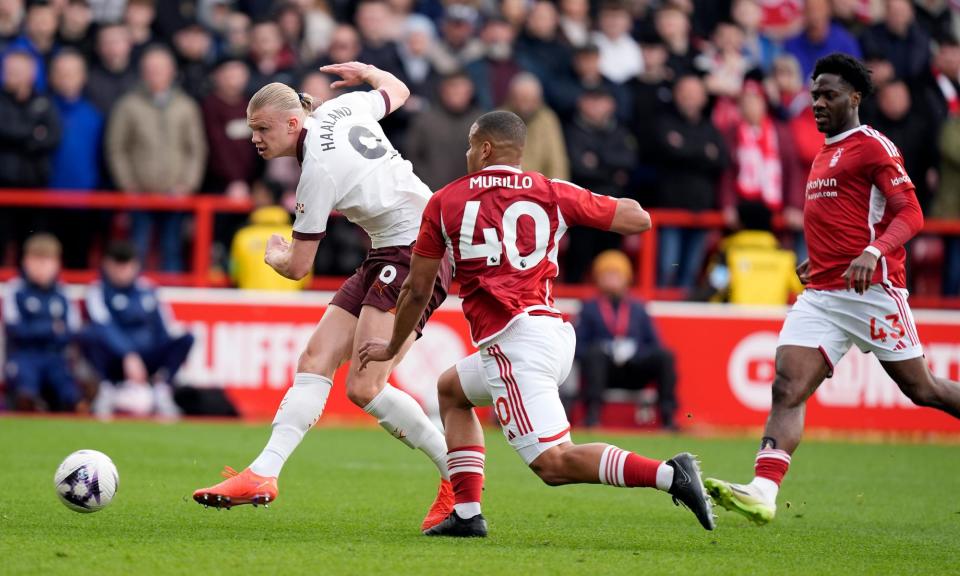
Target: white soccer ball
{"points": [[86, 481]]}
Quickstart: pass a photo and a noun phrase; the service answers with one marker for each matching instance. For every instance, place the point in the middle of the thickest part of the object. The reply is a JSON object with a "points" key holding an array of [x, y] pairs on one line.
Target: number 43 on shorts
{"points": [[878, 333]]}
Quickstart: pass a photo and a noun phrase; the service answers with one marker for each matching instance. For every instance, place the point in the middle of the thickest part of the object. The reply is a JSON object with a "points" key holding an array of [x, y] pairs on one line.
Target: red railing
{"points": [[204, 208]]}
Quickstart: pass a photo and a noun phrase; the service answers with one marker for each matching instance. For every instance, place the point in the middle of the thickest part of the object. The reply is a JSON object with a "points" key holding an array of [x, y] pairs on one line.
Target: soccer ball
{"points": [[86, 481]]}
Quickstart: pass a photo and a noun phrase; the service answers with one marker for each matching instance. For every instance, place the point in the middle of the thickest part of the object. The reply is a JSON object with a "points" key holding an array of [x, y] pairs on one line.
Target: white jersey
{"points": [[348, 165]]}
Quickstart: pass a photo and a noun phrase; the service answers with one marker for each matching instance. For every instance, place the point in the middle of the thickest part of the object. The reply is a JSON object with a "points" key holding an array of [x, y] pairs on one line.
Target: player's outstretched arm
{"points": [[356, 73], [291, 259], [414, 296], [630, 217]]}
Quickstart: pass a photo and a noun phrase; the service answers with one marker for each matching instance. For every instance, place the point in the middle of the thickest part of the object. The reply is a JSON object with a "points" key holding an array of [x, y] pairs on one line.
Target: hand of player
{"points": [[353, 73], [134, 369], [374, 350], [803, 272], [277, 247], [860, 272]]}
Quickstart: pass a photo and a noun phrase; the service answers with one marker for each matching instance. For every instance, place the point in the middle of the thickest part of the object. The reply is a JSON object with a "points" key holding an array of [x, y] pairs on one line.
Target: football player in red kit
{"points": [[860, 210], [503, 227]]}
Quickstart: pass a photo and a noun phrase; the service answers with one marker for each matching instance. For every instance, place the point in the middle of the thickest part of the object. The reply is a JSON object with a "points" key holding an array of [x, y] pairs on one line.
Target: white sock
{"points": [[400, 415], [664, 476], [298, 412], [767, 488], [467, 510]]}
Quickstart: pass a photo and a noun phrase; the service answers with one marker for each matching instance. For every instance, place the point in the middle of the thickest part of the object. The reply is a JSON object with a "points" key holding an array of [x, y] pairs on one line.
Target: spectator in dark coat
{"points": [[586, 75], [900, 40], [673, 27], [691, 157], [541, 51], [617, 344], [29, 126], [76, 28], [113, 75], [492, 74], [375, 21], [270, 60], [911, 130], [193, 45], [602, 154], [131, 338], [437, 138], [39, 322], [942, 86], [39, 39]]}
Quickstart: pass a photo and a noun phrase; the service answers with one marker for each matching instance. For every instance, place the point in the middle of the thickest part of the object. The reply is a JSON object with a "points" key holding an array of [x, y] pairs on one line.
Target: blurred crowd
{"points": [[688, 104]]}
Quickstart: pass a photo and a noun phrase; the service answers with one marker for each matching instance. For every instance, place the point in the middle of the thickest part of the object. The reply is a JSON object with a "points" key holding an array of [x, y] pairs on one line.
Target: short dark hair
{"points": [[850, 69], [503, 126], [121, 251]]}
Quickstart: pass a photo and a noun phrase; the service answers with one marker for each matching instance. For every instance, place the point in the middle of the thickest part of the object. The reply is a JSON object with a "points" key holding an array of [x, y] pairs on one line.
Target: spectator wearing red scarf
{"points": [[765, 170]]}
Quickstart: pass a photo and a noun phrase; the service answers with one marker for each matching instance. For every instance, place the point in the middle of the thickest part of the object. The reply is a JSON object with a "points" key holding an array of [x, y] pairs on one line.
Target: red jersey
{"points": [[503, 227], [846, 206]]}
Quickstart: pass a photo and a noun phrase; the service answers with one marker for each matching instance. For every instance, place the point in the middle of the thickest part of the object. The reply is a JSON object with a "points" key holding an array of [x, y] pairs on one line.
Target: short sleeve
{"points": [[581, 207], [375, 102], [316, 196], [431, 242], [889, 174]]}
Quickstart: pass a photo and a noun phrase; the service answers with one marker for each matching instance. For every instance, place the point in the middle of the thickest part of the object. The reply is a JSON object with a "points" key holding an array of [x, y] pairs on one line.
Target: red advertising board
{"points": [[248, 344]]}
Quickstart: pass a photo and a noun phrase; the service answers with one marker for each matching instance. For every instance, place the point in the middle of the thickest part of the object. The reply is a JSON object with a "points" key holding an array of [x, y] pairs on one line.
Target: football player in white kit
{"points": [[348, 165]]}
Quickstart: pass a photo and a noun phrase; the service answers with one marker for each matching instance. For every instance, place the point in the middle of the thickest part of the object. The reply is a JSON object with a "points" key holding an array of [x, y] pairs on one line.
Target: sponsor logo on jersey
{"points": [[815, 188], [836, 158], [904, 178], [821, 183], [300, 208], [515, 181]]}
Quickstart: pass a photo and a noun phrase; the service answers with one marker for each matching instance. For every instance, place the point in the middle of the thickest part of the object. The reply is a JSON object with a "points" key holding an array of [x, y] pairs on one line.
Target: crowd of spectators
{"points": [[690, 104]]}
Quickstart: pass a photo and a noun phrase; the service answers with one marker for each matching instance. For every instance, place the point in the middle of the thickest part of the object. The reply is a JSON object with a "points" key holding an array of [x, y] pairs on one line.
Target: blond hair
{"points": [[280, 97], [42, 244]]}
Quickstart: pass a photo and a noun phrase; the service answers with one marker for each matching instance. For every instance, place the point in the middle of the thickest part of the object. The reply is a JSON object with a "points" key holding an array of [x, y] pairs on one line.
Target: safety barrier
{"points": [[205, 208]]}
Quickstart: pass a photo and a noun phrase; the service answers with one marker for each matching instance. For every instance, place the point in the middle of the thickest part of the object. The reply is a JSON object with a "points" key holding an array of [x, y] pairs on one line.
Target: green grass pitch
{"points": [[352, 500]]}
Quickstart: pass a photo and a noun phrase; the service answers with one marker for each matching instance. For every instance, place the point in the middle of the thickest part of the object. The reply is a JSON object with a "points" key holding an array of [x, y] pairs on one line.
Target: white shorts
{"points": [[878, 321], [519, 373]]}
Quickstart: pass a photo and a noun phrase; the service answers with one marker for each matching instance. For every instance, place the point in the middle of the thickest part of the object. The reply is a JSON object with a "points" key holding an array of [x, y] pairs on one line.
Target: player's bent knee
{"points": [[316, 362], [551, 467], [922, 393], [362, 392], [786, 392]]}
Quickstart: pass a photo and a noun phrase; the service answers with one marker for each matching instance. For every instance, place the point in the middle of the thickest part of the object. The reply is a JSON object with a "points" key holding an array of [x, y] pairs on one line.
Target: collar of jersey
{"points": [[504, 167], [842, 135]]}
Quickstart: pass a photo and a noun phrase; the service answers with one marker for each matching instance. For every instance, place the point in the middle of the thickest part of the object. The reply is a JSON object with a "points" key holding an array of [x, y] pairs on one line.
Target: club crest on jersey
{"points": [[300, 208], [836, 158]]}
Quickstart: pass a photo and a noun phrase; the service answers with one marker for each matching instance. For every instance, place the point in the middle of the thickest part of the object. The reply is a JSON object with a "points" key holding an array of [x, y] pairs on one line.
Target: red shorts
{"points": [[377, 283]]}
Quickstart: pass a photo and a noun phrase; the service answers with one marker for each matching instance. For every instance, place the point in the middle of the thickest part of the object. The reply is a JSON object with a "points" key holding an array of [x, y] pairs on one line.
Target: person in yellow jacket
{"points": [[756, 269], [247, 267]]}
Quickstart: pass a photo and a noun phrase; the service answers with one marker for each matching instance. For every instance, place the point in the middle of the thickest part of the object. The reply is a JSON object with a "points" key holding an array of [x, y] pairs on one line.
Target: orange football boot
{"points": [[442, 506], [238, 488]]}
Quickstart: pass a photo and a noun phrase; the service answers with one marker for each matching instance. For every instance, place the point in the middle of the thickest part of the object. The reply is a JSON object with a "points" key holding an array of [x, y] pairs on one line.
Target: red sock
{"points": [[621, 468], [772, 464], [466, 473]]}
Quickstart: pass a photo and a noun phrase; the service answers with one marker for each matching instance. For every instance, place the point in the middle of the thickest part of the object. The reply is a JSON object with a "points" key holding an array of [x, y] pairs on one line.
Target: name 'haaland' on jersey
{"points": [[327, 124], [515, 181]]}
